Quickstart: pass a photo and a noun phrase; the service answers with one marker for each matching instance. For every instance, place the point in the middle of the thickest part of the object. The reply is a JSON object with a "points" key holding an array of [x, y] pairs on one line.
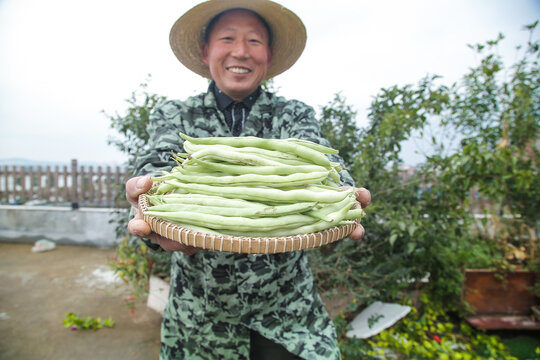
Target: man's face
{"points": [[237, 53]]}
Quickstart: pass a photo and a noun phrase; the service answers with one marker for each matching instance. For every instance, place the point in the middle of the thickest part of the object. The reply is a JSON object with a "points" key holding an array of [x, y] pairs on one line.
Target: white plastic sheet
{"points": [[43, 245], [375, 318]]}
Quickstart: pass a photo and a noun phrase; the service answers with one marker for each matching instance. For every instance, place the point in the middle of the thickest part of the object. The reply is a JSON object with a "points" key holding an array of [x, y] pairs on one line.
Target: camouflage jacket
{"points": [[216, 298]]}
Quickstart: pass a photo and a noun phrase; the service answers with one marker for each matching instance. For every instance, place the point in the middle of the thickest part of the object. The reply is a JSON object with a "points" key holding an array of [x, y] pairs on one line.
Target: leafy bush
{"points": [[425, 333], [133, 262], [133, 265], [421, 224]]}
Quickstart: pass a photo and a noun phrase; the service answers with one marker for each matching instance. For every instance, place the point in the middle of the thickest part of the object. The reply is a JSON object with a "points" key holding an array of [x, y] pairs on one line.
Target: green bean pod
{"points": [[314, 146], [255, 179], [251, 212], [229, 156], [268, 194], [270, 144], [285, 158], [258, 169], [234, 222]]}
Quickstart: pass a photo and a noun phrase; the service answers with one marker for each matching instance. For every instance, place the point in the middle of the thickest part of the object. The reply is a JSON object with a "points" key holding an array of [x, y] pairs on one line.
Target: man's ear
{"points": [[204, 50], [269, 56]]}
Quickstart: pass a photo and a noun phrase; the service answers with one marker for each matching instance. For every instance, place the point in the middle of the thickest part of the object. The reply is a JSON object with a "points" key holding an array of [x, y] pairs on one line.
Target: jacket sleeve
{"points": [[163, 139], [163, 130], [304, 125]]}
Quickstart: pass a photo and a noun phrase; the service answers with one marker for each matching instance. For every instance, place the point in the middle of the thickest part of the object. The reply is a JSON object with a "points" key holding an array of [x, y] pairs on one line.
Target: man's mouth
{"points": [[238, 70]]}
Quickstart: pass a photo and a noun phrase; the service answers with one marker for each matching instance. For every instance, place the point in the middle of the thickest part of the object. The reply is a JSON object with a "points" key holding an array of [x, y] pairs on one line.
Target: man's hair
{"points": [[207, 30]]}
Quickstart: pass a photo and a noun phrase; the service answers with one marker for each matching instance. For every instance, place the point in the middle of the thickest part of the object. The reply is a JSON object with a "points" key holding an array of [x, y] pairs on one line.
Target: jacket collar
{"points": [[260, 114]]}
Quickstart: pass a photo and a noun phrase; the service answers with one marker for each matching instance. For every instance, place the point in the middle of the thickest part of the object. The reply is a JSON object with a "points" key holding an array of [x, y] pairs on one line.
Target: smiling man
{"points": [[227, 305], [237, 51]]}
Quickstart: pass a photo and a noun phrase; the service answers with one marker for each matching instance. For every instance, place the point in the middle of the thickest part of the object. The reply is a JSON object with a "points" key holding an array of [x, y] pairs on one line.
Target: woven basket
{"points": [[241, 244]]}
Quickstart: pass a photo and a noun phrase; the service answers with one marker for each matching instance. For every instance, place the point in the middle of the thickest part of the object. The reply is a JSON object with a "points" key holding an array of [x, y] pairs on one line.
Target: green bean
{"points": [[262, 194], [313, 145], [230, 156], [335, 183], [322, 187], [336, 166], [331, 212], [338, 215], [269, 144], [272, 155], [303, 229], [199, 199], [177, 191], [164, 188], [259, 169], [193, 168], [354, 214], [234, 222], [162, 178], [285, 158], [254, 179], [251, 212]]}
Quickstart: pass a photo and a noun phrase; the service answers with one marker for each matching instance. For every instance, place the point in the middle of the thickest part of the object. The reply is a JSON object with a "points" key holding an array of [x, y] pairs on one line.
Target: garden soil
{"points": [[38, 289]]}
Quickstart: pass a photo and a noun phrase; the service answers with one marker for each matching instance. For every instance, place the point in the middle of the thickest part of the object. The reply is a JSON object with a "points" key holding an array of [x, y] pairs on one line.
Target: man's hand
{"points": [[363, 196], [138, 227]]}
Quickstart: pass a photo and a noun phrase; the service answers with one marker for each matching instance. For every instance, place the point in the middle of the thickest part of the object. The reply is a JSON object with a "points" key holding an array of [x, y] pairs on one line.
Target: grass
{"points": [[522, 345]]}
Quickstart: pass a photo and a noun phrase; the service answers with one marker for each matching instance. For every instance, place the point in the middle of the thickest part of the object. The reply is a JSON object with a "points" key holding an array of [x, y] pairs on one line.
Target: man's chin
{"points": [[239, 92]]}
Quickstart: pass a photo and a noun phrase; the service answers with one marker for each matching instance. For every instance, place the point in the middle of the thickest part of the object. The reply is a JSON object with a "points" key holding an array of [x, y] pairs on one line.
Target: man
{"points": [[225, 305]]}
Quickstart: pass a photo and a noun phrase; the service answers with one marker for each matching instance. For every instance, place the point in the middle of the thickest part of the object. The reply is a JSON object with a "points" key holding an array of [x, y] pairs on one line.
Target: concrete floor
{"points": [[38, 289]]}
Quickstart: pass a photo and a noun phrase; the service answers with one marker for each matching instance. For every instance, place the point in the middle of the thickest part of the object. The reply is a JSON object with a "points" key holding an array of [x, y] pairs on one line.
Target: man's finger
{"points": [[137, 186], [363, 196], [138, 227], [357, 233], [171, 245]]}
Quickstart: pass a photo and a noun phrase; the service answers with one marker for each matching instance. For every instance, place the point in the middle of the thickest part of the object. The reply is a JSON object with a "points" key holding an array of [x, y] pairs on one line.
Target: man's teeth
{"points": [[238, 70]]}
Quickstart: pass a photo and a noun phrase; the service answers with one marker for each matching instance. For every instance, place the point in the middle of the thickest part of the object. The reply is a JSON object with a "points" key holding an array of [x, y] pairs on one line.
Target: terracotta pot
{"points": [[508, 294], [503, 302]]}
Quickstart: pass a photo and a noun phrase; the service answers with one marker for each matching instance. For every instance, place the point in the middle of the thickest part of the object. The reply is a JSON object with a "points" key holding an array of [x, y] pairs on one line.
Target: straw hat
{"points": [[288, 32]]}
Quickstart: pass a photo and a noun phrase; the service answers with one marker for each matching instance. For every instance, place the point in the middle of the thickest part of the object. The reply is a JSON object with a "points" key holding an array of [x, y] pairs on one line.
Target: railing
{"points": [[74, 186]]}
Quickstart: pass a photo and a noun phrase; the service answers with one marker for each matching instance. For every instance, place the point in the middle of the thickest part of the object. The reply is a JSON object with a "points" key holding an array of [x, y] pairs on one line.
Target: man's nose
{"points": [[240, 49]]}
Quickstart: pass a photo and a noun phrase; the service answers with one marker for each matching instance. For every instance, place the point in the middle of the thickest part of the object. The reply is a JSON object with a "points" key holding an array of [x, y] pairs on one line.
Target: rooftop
{"points": [[40, 288]]}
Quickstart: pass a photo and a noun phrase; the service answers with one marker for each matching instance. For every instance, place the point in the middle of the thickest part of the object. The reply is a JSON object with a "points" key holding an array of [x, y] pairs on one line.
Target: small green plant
{"points": [[134, 262], [133, 265], [75, 321], [426, 333]]}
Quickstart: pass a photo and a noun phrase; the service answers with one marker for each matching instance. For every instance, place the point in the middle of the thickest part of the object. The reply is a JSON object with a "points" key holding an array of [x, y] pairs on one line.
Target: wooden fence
{"points": [[71, 186]]}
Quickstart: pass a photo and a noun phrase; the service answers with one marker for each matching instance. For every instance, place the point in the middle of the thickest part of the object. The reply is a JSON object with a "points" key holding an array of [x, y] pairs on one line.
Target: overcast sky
{"points": [[63, 61]]}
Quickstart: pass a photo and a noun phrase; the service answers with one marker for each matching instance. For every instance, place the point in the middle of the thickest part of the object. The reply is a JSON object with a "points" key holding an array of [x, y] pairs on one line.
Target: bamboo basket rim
{"points": [[242, 244]]}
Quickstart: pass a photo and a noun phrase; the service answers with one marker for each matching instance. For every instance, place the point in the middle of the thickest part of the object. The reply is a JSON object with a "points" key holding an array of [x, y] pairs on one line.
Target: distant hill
{"points": [[29, 162]]}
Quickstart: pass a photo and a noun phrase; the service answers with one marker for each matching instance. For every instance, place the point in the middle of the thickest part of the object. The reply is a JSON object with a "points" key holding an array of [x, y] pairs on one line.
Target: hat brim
{"points": [[288, 31]]}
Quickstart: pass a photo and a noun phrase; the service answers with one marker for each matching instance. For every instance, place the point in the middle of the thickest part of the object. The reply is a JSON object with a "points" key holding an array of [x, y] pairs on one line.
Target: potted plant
{"points": [[145, 273], [496, 112]]}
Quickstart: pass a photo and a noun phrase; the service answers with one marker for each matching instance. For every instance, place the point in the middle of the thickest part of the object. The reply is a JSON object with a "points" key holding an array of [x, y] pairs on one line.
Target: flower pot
{"points": [[501, 300], [158, 294]]}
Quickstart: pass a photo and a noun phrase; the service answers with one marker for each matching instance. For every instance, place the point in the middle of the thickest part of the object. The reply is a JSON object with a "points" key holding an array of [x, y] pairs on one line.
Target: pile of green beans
{"points": [[249, 186]]}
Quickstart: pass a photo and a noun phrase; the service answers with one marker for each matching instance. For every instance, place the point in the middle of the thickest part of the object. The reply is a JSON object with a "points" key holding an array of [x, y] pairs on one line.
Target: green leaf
{"points": [[392, 239], [410, 247]]}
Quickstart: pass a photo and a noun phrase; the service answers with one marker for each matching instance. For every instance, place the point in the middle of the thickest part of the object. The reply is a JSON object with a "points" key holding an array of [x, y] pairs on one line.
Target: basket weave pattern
{"points": [[241, 244]]}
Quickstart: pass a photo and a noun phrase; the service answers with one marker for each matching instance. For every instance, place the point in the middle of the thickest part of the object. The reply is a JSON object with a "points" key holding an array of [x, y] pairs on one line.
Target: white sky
{"points": [[63, 61]]}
